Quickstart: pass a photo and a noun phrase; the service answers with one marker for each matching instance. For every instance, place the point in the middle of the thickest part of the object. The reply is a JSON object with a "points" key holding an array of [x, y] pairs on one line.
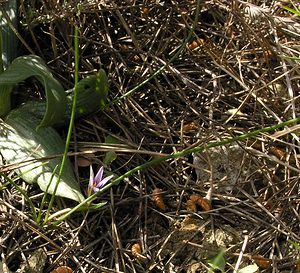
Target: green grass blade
{"points": [[72, 119]]}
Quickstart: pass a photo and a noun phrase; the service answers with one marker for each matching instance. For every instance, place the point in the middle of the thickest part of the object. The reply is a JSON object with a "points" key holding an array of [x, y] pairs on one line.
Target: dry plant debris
{"points": [[239, 72]]}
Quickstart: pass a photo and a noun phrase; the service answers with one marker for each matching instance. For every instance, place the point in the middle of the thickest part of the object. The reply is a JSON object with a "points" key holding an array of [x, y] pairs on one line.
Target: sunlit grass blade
{"points": [[72, 119]]}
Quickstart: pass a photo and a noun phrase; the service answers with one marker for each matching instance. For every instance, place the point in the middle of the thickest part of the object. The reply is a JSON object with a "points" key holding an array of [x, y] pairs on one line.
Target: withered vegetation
{"points": [[237, 72]]}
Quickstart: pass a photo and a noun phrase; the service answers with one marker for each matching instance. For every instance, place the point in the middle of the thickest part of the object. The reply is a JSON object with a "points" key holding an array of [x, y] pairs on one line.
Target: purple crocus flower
{"points": [[97, 182]]}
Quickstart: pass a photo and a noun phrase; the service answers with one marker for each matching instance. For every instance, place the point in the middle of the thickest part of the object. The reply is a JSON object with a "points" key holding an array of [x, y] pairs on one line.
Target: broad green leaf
{"points": [[111, 155], [102, 88], [249, 269], [88, 101], [20, 141], [109, 158], [1, 52], [5, 100], [27, 66], [92, 94], [218, 262]]}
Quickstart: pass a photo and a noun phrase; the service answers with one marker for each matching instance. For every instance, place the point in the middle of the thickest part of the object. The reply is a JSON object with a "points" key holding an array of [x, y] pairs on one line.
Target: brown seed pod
{"points": [[203, 203], [268, 56], [157, 198], [195, 197], [62, 269], [196, 43], [189, 127], [145, 11], [262, 262], [279, 153], [276, 151], [191, 205], [136, 250]]}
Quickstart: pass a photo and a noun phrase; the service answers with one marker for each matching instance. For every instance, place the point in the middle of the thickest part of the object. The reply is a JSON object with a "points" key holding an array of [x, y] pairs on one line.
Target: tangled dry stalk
{"points": [[236, 74]]}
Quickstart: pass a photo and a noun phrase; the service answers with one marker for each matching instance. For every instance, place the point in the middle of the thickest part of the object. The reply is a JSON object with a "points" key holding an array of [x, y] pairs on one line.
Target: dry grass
{"points": [[238, 59]]}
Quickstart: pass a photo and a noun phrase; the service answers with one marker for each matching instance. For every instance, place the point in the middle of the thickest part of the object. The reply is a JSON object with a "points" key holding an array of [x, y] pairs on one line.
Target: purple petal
{"points": [[104, 181], [98, 178], [91, 184], [95, 189]]}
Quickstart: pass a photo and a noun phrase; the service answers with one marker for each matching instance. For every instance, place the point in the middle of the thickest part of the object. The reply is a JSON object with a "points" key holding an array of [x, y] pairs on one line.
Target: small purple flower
{"points": [[97, 182]]}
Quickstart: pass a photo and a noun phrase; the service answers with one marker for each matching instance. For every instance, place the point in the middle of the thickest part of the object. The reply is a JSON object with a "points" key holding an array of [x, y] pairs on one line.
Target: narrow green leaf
{"points": [[97, 206], [294, 244], [102, 88], [111, 155], [27, 66], [218, 262], [294, 11]]}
